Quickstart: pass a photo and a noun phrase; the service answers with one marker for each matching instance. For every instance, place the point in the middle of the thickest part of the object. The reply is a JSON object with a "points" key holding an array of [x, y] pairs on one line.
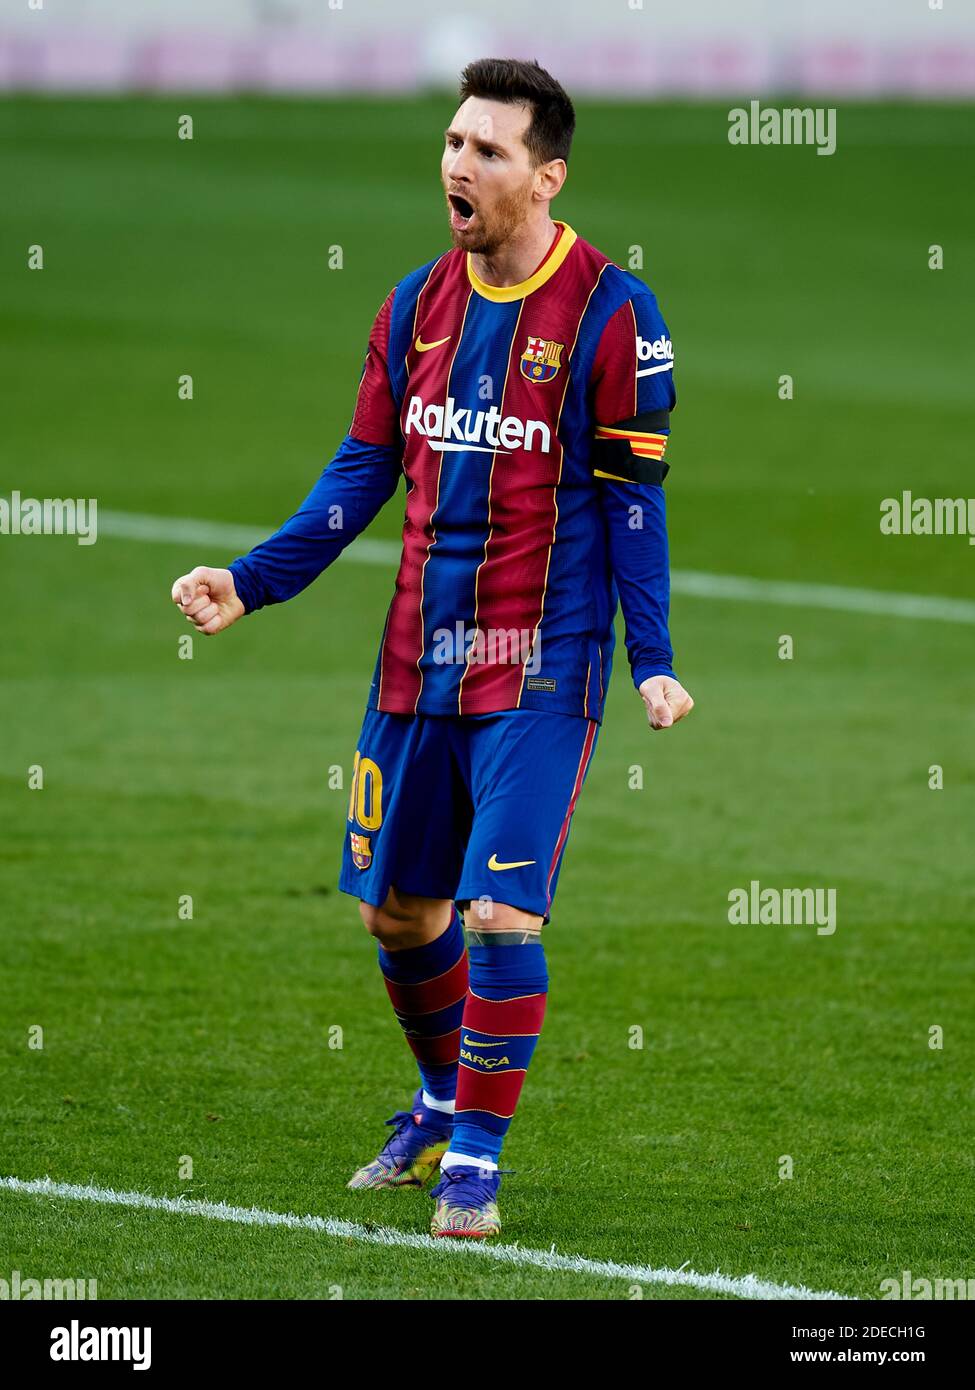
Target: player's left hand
{"points": [[666, 701]]}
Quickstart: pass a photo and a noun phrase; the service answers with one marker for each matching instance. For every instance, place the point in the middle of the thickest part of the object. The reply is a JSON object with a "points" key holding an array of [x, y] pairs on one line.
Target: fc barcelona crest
{"points": [[361, 850], [541, 359]]}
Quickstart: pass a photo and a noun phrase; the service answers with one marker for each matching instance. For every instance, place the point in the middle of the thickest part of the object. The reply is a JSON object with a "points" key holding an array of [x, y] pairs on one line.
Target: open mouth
{"points": [[461, 211]]}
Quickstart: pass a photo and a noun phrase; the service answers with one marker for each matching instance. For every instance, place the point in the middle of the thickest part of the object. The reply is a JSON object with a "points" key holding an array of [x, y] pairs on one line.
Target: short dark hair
{"points": [[549, 134]]}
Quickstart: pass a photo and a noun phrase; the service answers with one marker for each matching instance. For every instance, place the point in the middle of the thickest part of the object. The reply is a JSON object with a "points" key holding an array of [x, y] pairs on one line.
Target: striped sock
{"points": [[501, 1023], [427, 986]]}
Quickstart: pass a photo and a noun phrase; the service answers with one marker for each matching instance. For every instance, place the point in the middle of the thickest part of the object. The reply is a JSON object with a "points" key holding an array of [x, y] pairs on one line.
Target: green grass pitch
{"points": [[209, 1038]]}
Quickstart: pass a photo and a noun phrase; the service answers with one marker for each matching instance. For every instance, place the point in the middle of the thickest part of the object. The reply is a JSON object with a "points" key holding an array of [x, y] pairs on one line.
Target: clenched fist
{"points": [[208, 598], [666, 701]]}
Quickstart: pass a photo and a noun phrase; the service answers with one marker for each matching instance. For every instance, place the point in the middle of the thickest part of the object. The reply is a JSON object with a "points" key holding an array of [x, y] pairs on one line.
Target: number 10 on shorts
{"points": [[365, 807]]}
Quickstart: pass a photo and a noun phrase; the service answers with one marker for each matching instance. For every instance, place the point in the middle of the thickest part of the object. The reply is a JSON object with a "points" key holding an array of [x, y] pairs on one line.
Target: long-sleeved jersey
{"points": [[530, 423]]}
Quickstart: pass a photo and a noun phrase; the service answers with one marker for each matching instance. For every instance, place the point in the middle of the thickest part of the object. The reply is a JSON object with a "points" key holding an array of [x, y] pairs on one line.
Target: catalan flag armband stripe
{"points": [[633, 450], [647, 444]]}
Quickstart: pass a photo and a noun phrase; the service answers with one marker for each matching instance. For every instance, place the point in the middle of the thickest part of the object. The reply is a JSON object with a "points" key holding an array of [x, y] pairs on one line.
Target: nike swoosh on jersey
{"points": [[515, 864], [472, 1042], [425, 347]]}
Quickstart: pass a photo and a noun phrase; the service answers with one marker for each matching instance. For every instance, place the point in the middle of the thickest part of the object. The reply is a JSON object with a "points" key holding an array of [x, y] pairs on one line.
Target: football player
{"points": [[520, 385]]}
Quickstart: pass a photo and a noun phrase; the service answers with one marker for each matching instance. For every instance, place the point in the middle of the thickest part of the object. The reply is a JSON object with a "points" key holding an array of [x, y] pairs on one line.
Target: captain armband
{"points": [[633, 450]]}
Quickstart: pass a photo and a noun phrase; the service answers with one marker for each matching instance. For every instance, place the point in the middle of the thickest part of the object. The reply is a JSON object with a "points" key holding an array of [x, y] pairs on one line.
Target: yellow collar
{"points": [[504, 294]]}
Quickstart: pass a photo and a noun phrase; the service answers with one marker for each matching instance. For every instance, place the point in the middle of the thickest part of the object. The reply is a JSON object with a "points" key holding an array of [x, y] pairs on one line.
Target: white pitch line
{"points": [[176, 530], [743, 1286], [795, 594], [691, 583]]}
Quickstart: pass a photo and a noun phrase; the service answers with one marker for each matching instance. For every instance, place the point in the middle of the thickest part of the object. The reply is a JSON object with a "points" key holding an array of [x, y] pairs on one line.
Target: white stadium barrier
{"points": [[625, 48]]}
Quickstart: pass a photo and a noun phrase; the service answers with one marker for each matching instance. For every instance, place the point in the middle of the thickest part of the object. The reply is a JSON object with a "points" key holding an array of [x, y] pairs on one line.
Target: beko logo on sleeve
{"points": [[660, 351]]}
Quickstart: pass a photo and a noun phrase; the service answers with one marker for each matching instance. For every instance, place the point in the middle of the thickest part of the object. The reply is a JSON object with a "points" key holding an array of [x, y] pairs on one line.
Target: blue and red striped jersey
{"points": [[530, 424]]}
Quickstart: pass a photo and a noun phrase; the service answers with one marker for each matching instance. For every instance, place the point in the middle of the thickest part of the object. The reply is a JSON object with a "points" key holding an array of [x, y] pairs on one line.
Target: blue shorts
{"points": [[471, 807]]}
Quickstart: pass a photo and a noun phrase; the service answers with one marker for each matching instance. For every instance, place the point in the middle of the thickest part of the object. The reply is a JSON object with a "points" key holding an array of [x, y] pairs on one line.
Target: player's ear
{"points": [[550, 177]]}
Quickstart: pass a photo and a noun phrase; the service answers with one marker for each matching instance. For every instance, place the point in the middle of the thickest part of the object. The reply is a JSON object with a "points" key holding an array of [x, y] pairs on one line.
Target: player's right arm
{"points": [[360, 479]]}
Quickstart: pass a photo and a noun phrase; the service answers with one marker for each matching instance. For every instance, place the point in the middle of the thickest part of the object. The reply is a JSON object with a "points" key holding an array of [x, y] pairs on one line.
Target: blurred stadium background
{"points": [[635, 48], [317, 127]]}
